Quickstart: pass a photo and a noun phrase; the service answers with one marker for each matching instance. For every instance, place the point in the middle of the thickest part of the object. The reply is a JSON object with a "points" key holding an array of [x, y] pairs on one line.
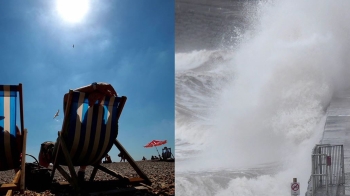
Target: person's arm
{"points": [[101, 87], [97, 92]]}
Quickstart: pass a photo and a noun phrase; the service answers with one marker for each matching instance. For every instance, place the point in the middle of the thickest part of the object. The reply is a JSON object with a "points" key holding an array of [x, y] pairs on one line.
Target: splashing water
{"points": [[247, 118]]}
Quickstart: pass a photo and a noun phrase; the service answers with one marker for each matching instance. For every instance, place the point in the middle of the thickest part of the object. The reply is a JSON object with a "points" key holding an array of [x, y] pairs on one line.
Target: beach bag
{"points": [[37, 177]]}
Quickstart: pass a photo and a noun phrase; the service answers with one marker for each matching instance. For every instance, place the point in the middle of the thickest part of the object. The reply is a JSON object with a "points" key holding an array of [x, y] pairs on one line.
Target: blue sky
{"points": [[127, 43]]}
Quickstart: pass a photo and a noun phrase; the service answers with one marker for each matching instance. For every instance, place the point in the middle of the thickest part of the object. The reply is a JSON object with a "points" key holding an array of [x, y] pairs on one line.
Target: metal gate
{"points": [[327, 172]]}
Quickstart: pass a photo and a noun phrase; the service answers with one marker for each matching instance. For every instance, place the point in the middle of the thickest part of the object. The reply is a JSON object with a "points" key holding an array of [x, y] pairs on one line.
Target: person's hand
{"points": [[106, 89]]}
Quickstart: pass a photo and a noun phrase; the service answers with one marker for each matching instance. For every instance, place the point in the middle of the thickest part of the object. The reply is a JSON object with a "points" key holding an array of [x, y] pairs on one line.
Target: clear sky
{"points": [[127, 43]]}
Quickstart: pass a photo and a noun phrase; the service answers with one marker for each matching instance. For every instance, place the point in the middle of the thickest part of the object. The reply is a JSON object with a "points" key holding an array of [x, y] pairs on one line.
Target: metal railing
{"points": [[327, 172]]}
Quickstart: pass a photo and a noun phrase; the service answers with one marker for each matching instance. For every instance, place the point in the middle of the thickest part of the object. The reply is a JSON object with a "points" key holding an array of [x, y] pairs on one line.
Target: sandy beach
{"points": [[161, 174]]}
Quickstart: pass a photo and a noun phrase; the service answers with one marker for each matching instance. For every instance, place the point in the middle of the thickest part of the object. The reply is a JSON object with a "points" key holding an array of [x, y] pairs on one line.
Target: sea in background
{"points": [[253, 82]]}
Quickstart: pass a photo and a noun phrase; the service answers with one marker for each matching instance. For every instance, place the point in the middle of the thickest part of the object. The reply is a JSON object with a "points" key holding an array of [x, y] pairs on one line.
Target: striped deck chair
{"points": [[88, 134], [11, 146]]}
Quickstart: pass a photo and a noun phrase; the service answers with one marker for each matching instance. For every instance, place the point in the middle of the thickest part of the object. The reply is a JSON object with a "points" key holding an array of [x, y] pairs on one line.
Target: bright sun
{"points": [[72, 10]]}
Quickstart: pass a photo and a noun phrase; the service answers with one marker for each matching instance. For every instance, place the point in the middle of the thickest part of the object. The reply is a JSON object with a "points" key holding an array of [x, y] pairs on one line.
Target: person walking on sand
{"points": [[122, 157]]}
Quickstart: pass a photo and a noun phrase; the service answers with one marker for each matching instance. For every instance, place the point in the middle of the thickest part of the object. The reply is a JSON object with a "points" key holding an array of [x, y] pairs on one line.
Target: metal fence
{"points": [[327, 173]]}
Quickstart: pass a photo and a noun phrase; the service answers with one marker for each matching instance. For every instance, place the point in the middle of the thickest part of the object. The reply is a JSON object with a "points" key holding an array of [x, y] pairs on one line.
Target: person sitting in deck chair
{"points": [[107, 159], [166, 153], [97, 92]]}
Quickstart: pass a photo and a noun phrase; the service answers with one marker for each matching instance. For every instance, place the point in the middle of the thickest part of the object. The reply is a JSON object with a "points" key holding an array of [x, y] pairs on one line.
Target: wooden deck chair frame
{"points": [[72, 176], [18, 183]]}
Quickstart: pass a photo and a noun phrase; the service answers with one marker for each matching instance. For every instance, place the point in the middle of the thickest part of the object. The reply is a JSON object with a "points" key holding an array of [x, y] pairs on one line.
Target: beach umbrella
{"points": [[155, 143]]}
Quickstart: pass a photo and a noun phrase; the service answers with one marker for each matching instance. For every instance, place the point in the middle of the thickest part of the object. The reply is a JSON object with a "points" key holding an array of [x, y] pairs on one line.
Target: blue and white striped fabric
{"points": [[9, 154], [91, 130]]}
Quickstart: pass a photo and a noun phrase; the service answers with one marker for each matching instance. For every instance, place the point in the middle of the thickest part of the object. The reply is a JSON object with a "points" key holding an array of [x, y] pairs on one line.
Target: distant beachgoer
{"points": [[122, 157], [166, 153], [144, 158], [107, 159]]}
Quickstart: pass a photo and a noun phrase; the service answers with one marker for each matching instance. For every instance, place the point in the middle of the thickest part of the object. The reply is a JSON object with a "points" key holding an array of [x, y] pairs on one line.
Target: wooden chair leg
{"points": [[9, 193], [69, 162], [53, 172], [23, 164], [93, 174], [17, 177], [110, 172], [73, 179], [132, 162], [64, 174], [54, 166]]}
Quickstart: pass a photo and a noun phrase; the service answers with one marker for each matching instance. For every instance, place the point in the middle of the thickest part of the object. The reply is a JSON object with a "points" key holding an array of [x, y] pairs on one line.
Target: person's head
{"points": [[45, 154]]}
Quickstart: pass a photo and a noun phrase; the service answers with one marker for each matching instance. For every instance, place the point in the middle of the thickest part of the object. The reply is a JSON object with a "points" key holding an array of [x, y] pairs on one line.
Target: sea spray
{"points": [[272, 109]]}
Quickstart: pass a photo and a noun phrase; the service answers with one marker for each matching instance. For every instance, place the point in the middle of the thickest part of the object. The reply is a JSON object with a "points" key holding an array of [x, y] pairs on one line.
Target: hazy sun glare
{"points": [[72, 10]]}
